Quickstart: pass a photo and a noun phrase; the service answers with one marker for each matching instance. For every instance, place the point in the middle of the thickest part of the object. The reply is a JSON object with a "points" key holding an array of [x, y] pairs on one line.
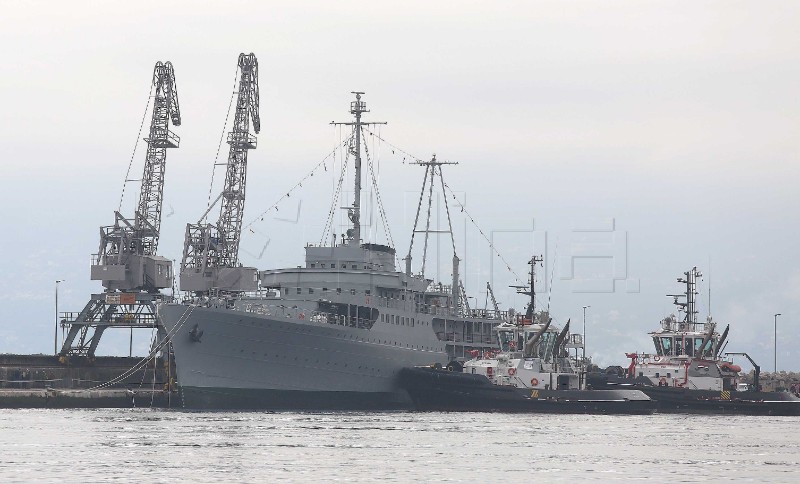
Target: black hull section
{"points": [[197, 398], [441, 390], [683, 400]]}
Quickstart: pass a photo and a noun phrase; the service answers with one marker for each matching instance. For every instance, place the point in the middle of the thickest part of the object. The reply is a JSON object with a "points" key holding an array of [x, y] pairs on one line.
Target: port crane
{"points": [[210, 262], [127, 262]]}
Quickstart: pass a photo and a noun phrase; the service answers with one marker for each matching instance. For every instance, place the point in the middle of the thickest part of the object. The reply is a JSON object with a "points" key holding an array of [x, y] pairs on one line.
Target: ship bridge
{"points": [[365, 257]]}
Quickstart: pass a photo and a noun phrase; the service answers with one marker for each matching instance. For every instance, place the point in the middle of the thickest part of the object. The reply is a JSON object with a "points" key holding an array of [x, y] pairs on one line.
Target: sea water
{"points": [[176, 446]]}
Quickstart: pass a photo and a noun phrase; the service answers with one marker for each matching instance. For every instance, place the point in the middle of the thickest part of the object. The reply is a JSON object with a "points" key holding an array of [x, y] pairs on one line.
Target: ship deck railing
{"points": [[301, 314], [446, 311], [454, 337]]}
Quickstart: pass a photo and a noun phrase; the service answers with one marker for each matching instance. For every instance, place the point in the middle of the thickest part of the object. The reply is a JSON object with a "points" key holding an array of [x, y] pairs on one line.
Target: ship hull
{"points": [[213, 398], [227, 359], [684, 400], [440, 390]]}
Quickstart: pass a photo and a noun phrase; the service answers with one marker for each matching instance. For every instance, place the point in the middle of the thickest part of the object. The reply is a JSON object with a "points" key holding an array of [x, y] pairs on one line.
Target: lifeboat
{"points": [[725, 366]]}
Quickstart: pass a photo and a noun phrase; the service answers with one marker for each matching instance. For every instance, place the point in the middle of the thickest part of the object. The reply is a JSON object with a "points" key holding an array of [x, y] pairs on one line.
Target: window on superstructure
{"points": [[324, 289], [313, 265], [392, 318], [657, 342], [322, 265], [368, 292], [666, 344], [352, 292], [299, 290], [311, 290], [689, 347]]}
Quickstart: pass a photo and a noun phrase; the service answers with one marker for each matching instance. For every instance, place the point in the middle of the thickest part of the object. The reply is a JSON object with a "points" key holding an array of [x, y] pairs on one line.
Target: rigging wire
{"points": [[334, 202], [488, 241], [396, 148], [297, 185], [381, 210], [552, 273], [221, 137], [135, 146], [461, 205]]}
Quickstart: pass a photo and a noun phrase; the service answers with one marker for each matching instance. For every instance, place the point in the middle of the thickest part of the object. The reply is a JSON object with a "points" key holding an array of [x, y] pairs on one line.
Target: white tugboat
{"points": [[531, 371], [688, 372]]}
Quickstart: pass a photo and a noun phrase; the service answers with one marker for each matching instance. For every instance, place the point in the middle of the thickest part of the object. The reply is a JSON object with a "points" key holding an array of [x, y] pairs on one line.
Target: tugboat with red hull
{"points": [[689, 372]]}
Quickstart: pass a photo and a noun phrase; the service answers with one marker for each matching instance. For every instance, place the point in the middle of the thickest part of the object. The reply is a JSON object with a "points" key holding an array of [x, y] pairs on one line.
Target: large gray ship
{"points": [[332, 334]]}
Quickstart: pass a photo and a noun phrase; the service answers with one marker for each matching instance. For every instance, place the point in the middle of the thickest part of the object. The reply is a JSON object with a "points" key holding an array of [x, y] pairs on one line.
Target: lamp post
{"points": [[55, 338], [775, 343], [584, 331]]}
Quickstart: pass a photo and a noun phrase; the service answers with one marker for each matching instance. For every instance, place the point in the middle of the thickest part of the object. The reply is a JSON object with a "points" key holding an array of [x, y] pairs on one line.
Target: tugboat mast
{"points": [[531, 289], [357, 108], [689, 306], [529, 313]]}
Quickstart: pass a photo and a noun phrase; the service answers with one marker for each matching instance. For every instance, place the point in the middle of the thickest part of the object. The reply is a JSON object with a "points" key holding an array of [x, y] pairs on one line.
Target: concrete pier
{"points": [[44, 381]]}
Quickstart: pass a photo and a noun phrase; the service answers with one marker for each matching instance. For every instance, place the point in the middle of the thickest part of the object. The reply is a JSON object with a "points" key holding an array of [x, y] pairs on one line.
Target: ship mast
{"points": [[531, 289], [689, 304], [432, 169], [357, 108]]}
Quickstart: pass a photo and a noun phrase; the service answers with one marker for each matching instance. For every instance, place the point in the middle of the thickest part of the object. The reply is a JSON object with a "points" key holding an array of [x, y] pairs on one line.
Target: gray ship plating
{"points": [[332, 334]]}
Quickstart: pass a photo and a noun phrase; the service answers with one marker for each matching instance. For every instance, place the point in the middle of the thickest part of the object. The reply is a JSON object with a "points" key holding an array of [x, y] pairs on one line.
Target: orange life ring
{"points": [[367, 300], [534, 381], [663, 382], [302, 316], [512, 371]]}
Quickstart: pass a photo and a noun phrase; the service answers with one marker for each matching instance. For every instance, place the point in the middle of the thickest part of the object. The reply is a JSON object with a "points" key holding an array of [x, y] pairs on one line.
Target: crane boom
{"points": [[211, 252], [151, 195], [240, 141]]}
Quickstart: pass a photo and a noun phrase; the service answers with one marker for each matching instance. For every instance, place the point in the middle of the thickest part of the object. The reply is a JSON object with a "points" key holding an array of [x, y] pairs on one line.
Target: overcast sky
{"points": [[672, 124]]}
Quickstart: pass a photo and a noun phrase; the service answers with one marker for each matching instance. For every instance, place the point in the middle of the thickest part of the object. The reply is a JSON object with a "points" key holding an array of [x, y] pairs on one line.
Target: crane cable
{"points": [[135, 146], [221, 137]]}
